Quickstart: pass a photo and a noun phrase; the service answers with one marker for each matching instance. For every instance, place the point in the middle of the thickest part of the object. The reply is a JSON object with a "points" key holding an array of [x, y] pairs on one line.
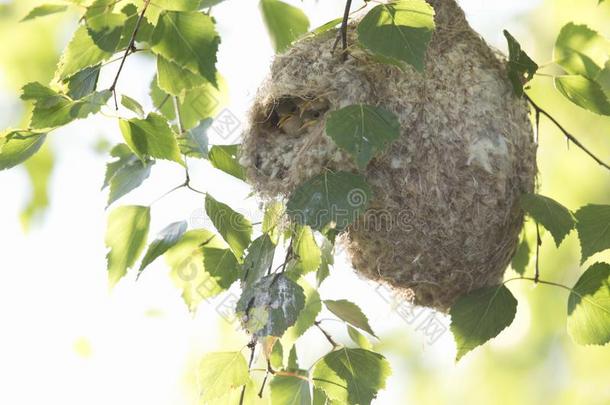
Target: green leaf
{"points": [[289, 390], [188, 267], [276, 357], [225, 158], [167, 238], [202, 102], [330, 200], [481, 315], [521, 257], [194, 142], [80, 53], [584, 93], [359, 338], [258, 260], [327, 260], [593, 226], [274, 211], [44, 10], [174, 79], [126, 235], [556, 218], [521, 68], [319, 397], [125, 174], [285, 23], [221, 372], [132, 105], [158, 6], [188, 39], [581, 50], [105, 29], [209, 3], [306, 251], [53, 109], [234, 227], [307, 317], [293, 361], [271, 305], [151, 137], [18, 146], [399, 30], [589, 307], [195, 105], [350, 313], [83, 83], [326, 26], [222, 265], [146, 28], [362, 130], [603, 79], [351, 376]]}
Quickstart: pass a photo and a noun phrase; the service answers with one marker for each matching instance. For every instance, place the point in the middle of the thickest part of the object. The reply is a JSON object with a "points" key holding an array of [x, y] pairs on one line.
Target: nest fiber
{"points": [[445, 217]]}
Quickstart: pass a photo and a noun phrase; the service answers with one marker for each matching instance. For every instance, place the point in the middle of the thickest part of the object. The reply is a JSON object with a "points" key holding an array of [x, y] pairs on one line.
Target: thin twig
{"points": [[130, 48], [289, 255], [565, 287], [270, 370], [538, 244], [344, 24], [284, 373], [252, 347], [326, 335], [566, 133]]}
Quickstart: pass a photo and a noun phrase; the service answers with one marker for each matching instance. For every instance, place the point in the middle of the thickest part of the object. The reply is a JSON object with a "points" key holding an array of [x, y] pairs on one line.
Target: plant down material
{"points": [[445, 216]]}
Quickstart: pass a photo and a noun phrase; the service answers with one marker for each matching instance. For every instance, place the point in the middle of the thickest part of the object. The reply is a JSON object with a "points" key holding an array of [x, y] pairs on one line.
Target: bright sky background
{"points": [[66, 339]]}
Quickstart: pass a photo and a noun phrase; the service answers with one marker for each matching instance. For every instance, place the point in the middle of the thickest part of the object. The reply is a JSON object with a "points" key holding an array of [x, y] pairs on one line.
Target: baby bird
{"points": [[293, 115]]}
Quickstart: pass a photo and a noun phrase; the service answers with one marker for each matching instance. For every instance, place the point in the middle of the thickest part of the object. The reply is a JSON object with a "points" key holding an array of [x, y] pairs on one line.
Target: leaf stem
{"points": [[285, 374], [566, 133], [130, 48], [326, 335], [565, 287], [167, 193]]}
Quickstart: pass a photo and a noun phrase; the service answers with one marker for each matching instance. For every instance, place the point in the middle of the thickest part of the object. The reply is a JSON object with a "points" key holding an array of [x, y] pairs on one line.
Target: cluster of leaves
{"points": [[278, 302], [186, 92], [584, 56]]}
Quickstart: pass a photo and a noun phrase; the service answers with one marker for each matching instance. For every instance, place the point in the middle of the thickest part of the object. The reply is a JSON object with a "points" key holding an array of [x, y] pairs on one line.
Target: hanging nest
{"points": [[445, 217]]}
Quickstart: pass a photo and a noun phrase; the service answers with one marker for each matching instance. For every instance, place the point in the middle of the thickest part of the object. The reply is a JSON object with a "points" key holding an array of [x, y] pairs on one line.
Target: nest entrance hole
{"points": [[292, 115], [285, 125]]}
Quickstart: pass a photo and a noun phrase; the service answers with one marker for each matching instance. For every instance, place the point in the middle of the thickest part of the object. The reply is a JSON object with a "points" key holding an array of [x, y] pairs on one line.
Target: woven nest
{"points": [[445, 217]]}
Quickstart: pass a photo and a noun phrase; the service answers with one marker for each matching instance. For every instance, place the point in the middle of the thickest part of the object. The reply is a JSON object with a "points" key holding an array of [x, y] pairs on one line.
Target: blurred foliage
{"points": [[33, 57]]}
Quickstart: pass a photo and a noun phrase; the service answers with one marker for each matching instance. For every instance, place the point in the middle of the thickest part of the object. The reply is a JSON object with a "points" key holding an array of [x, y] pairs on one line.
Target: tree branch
{"points": [[348, 6], [566, 133], [130, 48]]}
